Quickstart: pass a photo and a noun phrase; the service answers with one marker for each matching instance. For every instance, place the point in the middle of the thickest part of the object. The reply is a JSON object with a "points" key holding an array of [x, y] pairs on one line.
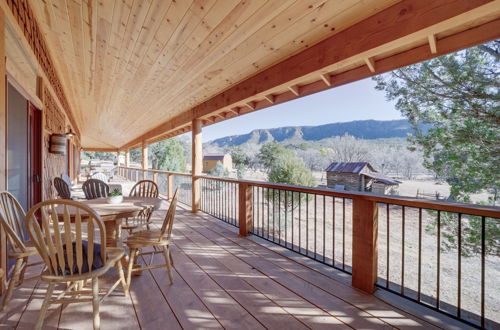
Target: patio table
{"points": [[112, 214]]}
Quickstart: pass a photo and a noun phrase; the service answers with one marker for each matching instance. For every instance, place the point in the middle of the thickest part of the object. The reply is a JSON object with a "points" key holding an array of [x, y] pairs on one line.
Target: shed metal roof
{"points": [[348, 167], [382, 179], [214, 157]]}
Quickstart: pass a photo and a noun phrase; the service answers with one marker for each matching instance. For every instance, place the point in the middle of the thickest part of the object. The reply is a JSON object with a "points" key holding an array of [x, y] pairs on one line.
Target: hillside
{"points": [[362, 129]]}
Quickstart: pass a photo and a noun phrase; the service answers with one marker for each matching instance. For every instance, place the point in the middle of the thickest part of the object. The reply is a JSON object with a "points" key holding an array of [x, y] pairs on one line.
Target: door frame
{"points": [[35, 139]]}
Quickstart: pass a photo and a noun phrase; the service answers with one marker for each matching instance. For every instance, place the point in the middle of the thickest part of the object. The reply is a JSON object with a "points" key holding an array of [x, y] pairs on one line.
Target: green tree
{"points": [[270, 153], [89, 155], [136, 155], [219, 170], [240, 160], [458, 95], [168, 155], [290, 169]]}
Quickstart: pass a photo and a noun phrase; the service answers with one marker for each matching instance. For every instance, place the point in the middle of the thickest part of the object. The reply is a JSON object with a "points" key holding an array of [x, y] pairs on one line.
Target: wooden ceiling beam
{"points": [[370, 63], [405, 22], [270, 98], [295, 90], [102, 149], [433, 43], [327, 79]]}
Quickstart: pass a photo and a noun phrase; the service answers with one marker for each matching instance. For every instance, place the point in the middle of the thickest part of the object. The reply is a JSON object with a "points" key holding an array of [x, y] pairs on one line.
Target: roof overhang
{"points": [[135, 75]]}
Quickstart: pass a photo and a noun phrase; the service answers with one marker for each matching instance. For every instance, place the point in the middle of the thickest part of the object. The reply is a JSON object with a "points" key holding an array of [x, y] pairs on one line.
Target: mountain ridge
{"points": [[362, 129]]}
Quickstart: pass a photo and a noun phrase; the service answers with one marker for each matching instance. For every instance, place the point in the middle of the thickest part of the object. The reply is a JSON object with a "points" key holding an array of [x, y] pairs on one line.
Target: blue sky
{"points": [[355, 101]]}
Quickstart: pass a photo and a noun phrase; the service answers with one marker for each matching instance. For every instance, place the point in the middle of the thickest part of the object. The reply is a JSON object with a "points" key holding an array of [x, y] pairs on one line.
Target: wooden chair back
{"points": [[12, 219], [62, 188], [100, 176], [168, 222], [144, 188], [53, 235], [94, 188]]}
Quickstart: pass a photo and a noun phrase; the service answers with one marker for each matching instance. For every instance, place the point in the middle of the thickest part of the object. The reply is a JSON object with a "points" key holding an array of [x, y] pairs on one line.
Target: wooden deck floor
{"points": [[225, 281]]}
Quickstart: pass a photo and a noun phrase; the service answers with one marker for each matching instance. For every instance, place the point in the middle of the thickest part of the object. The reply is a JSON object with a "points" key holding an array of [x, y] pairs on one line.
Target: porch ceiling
{"points": [[128, 66]]}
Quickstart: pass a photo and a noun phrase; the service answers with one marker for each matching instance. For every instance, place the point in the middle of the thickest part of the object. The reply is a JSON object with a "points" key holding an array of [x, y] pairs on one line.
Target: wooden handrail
{"points": [[364, 217], [155, 171], [470, 209]]}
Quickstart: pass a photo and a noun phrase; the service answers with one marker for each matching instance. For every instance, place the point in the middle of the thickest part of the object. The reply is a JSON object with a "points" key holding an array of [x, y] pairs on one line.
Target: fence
{"points": [[442, 255]]}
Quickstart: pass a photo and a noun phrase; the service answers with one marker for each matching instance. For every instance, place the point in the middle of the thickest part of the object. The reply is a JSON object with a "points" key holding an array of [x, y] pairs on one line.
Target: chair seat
{"points": [[146, 238], [30, 251], [113, 255]]}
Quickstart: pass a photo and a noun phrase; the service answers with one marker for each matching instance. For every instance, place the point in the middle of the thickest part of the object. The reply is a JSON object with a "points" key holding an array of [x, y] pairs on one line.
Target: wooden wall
{"points": [[54, 122], [30, 68], [351, 181]]}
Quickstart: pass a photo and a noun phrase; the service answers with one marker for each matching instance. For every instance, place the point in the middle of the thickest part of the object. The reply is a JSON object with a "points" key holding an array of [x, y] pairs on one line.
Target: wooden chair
{"points": [[94, 188], [159, 240], [62, 188], [144, 188], [12, 220], [100, 176], [68, 257]]}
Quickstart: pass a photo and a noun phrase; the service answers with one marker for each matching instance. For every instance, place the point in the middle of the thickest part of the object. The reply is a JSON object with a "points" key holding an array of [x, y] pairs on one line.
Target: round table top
{"points": [[129, 207]]}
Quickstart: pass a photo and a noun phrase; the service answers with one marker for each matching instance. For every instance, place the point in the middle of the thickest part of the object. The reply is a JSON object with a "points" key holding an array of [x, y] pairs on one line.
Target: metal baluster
{"points": [[333, 231], [459, 262], [403, 251], [307, 224], [387, 212], [292, 224], [438, 278], [279, 216], [300, 222], [343, 233], [483, 260], [286, 218], [419, 253], [324, 226], [315, 224]]}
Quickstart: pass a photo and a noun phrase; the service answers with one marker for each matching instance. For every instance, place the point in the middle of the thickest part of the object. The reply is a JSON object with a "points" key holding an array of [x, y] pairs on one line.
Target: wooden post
{"points": [[196, 163], [364, 244], [245, 207], [127, 158], [170, 186], [145, 154], [155, 177], [3, 141]]}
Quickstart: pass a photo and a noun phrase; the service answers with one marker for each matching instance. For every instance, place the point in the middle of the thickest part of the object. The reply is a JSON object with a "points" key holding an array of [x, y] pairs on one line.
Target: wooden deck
{"points": [[226, 281]]}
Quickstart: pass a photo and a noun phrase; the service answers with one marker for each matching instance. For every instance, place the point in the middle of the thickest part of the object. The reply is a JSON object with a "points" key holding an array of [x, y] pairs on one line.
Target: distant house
{"points": [[359, 176], [210, 161]]}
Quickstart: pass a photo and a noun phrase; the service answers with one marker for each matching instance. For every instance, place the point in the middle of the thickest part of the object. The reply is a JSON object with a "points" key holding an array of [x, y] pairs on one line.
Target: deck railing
{"points": [[441, 255]]}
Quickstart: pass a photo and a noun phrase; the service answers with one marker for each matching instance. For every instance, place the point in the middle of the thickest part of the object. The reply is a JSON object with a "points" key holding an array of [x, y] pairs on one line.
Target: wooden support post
{"points": [[155, 177], [127, 158], [364, 244], [245, 207], [197, 162], [145, 154], [3, 141], [170, 186]]}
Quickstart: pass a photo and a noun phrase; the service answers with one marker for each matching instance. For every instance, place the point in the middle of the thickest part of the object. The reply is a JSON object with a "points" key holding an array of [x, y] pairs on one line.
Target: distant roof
{"points": [[382, 178], [214, 157], [348, 167]]}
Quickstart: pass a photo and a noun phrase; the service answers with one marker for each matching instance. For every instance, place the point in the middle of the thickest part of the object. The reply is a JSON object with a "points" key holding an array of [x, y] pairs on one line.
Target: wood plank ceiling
{"points": [[141, 70], [129, 65]]}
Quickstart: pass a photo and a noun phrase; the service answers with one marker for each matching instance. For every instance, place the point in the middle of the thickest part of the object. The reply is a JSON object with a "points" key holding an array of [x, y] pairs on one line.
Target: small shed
{"points": [[358, 176], [211, 160]]}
